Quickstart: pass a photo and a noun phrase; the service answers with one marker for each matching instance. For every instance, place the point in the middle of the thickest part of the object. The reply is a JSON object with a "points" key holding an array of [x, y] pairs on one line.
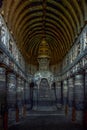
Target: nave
{"points": [[55, 120], [43, 64]]}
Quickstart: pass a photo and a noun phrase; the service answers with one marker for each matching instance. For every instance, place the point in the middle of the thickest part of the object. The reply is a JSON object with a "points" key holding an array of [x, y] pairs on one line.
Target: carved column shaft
{"points": [[3, 99], [79, 96], [58, 93], [70, 94], [85, 101], [11, 95], [65, 92]]}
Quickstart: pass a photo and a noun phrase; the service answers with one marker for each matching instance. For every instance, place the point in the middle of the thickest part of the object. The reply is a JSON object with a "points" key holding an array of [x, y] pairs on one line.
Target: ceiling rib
{"points": [[58, 21]]}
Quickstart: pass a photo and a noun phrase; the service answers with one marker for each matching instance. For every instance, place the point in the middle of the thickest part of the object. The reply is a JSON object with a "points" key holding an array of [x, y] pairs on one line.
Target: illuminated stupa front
{"points": [[44, 56], [44, 96], [43, 60]]}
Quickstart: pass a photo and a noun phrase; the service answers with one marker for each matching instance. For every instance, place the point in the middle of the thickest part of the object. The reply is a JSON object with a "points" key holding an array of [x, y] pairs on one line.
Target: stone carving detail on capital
{"points": [[4, 59]]}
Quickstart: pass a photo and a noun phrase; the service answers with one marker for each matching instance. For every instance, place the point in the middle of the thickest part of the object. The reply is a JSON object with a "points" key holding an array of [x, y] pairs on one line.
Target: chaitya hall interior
{"points": [[43, 64]]}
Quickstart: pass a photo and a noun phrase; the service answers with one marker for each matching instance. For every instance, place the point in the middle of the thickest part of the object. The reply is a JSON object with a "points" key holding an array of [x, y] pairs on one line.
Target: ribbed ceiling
{"points": [[59, 21]]}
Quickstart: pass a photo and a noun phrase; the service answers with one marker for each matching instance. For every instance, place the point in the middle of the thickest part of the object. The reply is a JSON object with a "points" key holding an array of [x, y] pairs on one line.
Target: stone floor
{"points": [[46, 121]]}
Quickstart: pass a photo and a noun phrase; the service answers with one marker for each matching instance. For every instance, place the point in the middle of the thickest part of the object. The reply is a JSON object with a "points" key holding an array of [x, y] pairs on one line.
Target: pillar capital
{"points": [[3, 65], [81, 71], [10, 71]]}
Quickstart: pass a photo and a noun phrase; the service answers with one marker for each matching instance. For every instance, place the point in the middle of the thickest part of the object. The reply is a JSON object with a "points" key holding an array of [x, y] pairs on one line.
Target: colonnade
{"points": [[73, 95], [14, 96]]}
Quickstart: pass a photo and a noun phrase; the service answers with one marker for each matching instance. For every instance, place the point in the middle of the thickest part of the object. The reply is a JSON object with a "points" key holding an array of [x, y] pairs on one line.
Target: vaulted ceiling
{"points": [[59, 21]]}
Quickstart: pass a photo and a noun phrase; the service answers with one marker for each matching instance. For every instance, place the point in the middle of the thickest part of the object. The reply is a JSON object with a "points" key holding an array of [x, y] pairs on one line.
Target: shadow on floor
{"points": [[52, 122]]}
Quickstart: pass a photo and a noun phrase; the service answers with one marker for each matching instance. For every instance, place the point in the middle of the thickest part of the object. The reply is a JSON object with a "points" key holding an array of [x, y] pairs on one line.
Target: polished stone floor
{"points": [[46, 121]]}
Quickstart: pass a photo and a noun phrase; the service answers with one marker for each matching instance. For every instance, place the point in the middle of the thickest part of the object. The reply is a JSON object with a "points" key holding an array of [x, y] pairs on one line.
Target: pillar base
{"points": [[73, 114], [85, 119], [79, 117], [1, 123]]}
